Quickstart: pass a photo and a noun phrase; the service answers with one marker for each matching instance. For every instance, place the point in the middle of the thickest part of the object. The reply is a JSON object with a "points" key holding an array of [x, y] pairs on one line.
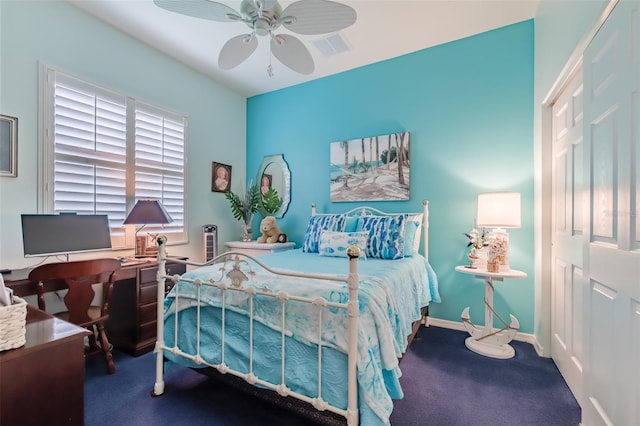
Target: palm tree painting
{"points": [[371, 169]]}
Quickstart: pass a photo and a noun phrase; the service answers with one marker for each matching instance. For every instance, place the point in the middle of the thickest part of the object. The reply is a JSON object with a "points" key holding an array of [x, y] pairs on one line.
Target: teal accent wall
{"points": [[468, 106], [65, 37]]}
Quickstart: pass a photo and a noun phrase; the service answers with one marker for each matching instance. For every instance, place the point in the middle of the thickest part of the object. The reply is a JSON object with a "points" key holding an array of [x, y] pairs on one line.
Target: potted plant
{"points": [[243, 207]]}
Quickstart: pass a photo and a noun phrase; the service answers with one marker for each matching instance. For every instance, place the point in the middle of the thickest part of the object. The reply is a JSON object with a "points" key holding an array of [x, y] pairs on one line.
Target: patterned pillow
{"points": [[335, 243], [317, 224], [386, 235]]}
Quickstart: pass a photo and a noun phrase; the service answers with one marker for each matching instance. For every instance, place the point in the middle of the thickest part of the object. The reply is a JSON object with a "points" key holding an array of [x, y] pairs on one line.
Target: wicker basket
{"points": [[13, 320]]}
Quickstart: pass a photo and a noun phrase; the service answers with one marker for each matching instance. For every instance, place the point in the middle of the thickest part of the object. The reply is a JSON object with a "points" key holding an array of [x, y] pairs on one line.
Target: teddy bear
{"points": [[270, 230]]}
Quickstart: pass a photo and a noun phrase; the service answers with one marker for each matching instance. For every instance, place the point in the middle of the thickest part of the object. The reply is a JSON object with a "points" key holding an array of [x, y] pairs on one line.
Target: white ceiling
{"points": [[384, 29]]}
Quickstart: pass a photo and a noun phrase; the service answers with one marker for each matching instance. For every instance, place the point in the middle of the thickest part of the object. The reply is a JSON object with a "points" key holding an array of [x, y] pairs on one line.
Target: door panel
{"points": [[611, 255], [567, 283]]}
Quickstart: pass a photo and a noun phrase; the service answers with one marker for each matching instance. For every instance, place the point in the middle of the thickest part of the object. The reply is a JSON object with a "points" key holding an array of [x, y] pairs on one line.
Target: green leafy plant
{"points": [[244, 205], [270, 202]]}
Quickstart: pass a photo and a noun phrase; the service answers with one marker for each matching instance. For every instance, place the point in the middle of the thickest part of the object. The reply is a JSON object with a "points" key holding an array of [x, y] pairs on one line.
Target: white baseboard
{"points": [[458, 325]]}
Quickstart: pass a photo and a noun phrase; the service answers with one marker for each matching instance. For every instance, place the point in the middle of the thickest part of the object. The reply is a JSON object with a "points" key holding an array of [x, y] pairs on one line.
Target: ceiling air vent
{"points": [[331, 45]]}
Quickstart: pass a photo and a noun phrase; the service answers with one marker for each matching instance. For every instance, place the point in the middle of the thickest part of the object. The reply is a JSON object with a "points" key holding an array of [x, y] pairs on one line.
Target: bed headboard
{"points": [[366, 210]]}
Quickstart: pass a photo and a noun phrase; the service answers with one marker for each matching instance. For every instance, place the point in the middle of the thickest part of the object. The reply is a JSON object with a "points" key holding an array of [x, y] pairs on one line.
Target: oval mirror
{"points": [[274, 173]]}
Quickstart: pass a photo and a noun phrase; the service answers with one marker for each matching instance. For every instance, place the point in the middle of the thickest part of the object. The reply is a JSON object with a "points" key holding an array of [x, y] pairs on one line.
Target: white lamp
{"points": [[499, 210]]}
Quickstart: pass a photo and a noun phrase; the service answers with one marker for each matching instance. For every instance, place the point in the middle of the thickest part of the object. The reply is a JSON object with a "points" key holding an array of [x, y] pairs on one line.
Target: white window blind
{"points": [[102, 151], [159, 162]]}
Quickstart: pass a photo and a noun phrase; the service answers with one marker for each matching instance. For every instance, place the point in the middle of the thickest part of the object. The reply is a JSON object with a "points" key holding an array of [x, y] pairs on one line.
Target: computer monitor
{"points": [[65, 233]]}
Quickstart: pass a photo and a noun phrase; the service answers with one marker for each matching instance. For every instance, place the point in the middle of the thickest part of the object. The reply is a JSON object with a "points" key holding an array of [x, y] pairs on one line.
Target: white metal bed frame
{"points": [[232, 268]]}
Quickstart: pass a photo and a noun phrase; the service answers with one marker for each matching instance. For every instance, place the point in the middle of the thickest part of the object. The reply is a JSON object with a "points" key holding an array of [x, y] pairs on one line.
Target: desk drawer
{"points": [[148, 275], [148, 331], [148, 313], [148, 293]]}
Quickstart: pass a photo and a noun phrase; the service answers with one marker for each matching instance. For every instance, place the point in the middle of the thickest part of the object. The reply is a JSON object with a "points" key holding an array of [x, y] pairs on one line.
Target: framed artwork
{"points": [[220, 177], [265, 183], [8, 146], [370, 169]]}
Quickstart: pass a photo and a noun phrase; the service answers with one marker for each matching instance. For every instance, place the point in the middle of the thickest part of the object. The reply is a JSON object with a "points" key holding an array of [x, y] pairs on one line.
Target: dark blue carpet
{"points": [[444, 384]]}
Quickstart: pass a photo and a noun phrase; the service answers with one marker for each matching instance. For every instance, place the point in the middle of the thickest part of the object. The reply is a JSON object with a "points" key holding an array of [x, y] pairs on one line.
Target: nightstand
{"points": [[485, 340], [254, 248]]}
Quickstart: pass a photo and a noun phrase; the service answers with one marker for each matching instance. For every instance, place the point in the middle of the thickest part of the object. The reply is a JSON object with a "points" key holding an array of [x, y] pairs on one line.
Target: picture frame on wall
{"points": [[8, 146], [373, 168], [220, 177]]}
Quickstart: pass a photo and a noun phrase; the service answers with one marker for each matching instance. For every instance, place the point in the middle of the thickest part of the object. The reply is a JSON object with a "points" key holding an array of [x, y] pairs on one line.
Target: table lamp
{"points": [[146, 211], [499, 210]]}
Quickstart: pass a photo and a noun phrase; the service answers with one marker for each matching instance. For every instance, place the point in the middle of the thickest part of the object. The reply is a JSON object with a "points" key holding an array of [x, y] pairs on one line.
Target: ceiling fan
{"points": [[307, 17]]}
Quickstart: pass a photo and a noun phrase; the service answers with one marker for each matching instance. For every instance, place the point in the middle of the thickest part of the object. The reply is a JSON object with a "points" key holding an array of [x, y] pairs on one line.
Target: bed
{"points": [[325, 324]]}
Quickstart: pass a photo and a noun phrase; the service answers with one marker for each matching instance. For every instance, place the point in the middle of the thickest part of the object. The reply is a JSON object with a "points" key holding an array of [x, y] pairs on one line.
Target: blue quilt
{"points": [[390, 295]]}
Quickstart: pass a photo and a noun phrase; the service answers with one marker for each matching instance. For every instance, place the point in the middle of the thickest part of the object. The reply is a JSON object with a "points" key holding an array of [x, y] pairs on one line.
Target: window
{"points": [[101, 151]]}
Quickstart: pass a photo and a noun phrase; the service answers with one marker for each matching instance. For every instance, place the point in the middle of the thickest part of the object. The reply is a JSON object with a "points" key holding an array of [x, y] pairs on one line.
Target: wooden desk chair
{"points": [[78, 278]]}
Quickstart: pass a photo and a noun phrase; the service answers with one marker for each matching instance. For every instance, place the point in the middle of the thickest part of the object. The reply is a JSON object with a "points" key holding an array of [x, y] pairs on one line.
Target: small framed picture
{"points": [[220, 177], [8, 146]]}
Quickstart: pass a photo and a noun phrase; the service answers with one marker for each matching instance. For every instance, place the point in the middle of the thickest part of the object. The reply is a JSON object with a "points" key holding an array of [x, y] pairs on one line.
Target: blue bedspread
{"points": [[390, 296]]}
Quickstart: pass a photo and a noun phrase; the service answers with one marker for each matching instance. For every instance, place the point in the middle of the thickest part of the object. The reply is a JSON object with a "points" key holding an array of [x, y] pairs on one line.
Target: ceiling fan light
{"points": [[261, 27]]}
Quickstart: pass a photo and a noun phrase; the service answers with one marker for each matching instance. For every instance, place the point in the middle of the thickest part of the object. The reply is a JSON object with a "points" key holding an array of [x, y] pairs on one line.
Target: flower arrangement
{"points": [[477, 239]]}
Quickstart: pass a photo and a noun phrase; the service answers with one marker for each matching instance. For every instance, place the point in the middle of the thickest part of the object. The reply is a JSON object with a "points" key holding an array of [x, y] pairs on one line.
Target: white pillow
{"points": [[416, 237], [335, 244]]}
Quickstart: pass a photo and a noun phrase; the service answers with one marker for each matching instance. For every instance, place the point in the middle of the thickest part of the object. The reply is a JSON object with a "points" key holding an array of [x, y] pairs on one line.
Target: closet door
{"points": [[612, 247], [567, 282]]}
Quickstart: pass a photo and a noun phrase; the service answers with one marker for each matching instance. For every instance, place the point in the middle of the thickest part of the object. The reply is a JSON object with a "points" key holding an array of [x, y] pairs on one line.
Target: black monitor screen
{"points": [[48, 234]]}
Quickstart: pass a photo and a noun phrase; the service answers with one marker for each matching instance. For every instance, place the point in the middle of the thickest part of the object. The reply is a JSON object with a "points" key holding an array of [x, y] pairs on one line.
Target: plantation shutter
{"points": [[90, 152], [159, 163], [102, 151]]}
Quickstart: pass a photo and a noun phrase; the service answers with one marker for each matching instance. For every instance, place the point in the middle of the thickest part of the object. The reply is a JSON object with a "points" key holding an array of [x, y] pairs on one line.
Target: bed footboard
{"points": [[231, 281]]}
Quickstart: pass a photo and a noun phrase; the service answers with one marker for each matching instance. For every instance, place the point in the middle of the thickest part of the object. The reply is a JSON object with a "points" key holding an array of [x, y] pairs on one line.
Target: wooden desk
{"points": [[43, 381], [132, 311]]}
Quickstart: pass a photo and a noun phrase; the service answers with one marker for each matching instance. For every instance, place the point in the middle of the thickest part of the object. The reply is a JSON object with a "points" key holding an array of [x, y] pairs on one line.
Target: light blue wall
{"points": [[65, 37], [468, 107]]}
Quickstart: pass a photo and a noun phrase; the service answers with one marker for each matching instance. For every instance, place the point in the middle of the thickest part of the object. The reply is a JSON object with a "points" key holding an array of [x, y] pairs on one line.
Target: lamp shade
{"points": [[499, 210], [147, 211]]}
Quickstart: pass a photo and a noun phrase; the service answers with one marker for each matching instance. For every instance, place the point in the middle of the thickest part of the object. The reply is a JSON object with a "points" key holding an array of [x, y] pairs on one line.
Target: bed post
{"points": [[158, 388], [425, 227], [313, 209], [353, 252]]}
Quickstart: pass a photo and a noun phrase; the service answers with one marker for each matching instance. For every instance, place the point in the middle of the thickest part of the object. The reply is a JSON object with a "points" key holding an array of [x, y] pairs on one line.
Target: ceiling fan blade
{"points": [[204, 9], [292, 53], [318, 17], [237, 50]]}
